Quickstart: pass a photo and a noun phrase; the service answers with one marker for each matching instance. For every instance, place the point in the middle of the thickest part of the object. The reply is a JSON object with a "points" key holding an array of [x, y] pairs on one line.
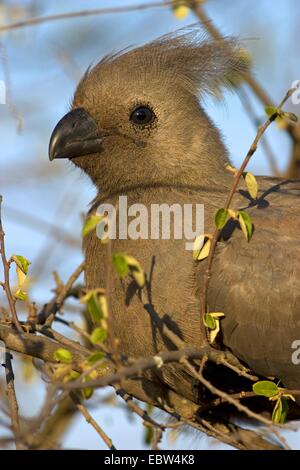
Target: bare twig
{"points": [[12, 398], [148, 421], [84, 411], [50, 309], [6, 283], [256, 123], [85, 13]]}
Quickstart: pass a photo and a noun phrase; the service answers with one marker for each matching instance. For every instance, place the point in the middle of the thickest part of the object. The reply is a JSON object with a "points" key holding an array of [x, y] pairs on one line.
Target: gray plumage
{"points": [[179, 157]]}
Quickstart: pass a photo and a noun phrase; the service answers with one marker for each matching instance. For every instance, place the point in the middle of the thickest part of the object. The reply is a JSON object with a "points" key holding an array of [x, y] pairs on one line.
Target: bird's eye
{"points": [[142, 116]]}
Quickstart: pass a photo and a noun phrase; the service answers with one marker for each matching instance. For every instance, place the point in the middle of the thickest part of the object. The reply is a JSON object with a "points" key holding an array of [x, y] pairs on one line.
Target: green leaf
{"points": [[271, 111], [246, 224], [96, 304], [201, 247], [93, 308], [21, 295], [120, 264], [22, 265], [136, 270], [277, 412], [210, 322], [22, 262], [91, 223], [125, 264], [291, 116], [284, 410], [73, 375], [149, 434], [96, 357], [265, 388], [221, 218], [63, 355], [251, 184], [98, 335], [87, 392]]}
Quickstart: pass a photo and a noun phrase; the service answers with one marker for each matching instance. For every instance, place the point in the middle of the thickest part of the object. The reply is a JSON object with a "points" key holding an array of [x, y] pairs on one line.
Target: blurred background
{"points": [[43, 203]]}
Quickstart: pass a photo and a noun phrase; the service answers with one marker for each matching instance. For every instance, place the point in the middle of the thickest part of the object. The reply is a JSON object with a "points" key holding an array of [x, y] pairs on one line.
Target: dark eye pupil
{"points": [[142, 115]]}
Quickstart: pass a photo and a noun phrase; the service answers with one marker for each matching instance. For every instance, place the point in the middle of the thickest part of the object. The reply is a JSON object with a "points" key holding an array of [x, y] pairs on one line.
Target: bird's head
{"points": [[136, 117]]}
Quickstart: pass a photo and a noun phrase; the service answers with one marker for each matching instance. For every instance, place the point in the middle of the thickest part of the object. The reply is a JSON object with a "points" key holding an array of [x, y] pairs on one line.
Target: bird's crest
{"points": [[201, 65]]}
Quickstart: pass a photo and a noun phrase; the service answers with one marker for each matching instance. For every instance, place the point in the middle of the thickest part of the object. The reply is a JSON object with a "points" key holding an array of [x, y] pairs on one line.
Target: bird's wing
{"points": [[257, 284]]}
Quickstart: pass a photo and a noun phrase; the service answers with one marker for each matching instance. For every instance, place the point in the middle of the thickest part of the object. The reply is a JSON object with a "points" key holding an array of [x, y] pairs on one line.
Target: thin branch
{"points": [[84, 411], [37, 346], [256, 123], [6, 283], [11, 397], [148, 421], [85, 13], [50, 309]]}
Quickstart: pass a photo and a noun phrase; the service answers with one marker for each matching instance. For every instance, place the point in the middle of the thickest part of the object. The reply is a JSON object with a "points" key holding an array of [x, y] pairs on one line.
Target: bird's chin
{"points": [[85, 162]]}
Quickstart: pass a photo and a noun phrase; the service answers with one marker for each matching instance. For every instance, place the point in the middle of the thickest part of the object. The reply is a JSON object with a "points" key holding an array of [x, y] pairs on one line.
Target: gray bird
{"points": [[137, 128]]}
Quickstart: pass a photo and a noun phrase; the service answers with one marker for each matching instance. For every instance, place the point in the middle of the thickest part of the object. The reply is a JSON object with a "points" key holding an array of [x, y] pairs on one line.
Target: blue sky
{"points": [[44, 63]]}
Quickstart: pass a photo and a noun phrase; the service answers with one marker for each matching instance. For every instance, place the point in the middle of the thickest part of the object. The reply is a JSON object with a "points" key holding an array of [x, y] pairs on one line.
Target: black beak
{"points": [[75, 135]]}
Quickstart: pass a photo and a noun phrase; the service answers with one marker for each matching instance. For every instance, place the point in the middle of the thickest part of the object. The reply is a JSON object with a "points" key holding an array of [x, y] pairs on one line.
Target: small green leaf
{"points": [[22, 262], [125, 264], [91, 223], [120, 264], [72, 376], [210, 322], [96, 304], [22, 265], [136, 270], [265, 388], [277, 412], [98, 335], [96, 357], [87, 392], [251, 184], [201, 247], [221, 218], [63, 355], [246, 224], [93, 308], [291, 116], [271, 111], [149, 434], [284, 410], [21, 295]]}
